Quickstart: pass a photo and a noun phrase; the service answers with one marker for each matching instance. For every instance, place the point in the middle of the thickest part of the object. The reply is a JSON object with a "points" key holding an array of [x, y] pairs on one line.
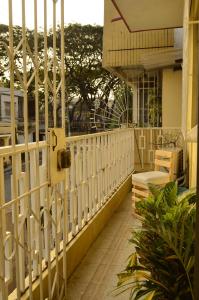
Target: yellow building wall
{"points": [[192, 152], [171, 98], [192, 93], [122, 48], [191, 109]]}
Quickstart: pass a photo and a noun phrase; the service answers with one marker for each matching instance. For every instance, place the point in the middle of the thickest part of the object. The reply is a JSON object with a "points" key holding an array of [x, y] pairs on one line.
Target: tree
{"points": [[86, 79]]}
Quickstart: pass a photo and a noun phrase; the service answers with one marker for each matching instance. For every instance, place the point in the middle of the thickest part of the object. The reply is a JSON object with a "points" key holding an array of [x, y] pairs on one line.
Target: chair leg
{"points": [[133, 199], [138, 193]]}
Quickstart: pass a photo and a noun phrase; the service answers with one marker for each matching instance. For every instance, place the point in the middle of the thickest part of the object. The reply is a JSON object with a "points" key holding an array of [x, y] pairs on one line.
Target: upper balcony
{"points": [[133, 40]]}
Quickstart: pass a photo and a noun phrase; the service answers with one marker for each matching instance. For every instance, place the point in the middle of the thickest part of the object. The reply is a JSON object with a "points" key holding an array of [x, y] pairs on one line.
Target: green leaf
{"points": [[190, 263], [164, 246], [150, 296]]}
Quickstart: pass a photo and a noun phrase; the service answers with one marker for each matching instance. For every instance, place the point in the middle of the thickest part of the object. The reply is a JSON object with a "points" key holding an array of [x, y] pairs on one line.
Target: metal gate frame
{"points": [[33, 223]]}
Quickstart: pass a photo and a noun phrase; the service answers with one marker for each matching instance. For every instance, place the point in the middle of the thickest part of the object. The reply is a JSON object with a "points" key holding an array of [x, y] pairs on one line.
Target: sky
{"points": [[76, 11]]}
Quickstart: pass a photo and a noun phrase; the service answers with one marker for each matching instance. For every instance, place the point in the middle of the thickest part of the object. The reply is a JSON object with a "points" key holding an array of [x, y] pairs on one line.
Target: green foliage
{"points": [[162, 266], [155, 108], [85, 78]]}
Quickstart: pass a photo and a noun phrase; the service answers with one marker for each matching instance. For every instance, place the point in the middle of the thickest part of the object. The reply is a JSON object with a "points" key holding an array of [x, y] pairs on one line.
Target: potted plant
{"points": [[161, 267]]}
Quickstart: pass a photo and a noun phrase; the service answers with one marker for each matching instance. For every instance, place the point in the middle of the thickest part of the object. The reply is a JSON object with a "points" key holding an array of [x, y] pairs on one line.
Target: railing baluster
{"points": [[78, 167], [72, 191], [3, 285], [94, 175], [88, 158]]}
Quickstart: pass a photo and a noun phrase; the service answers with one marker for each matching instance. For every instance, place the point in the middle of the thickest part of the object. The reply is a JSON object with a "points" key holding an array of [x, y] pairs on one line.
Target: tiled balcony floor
{"points": [[96, 276]]}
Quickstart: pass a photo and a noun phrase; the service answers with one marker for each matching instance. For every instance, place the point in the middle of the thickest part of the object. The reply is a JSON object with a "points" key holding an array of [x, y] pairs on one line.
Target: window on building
{"points": [[1, 142], [7, 109]]}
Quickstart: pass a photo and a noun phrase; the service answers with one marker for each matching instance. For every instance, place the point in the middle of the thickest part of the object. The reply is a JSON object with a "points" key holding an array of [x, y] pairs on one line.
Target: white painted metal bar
{"points": [[26, 140], [13, 129], [37, 173], [84, 182], [3, 285], [78, 172], [47, 224], [65, 184], [54, 66], [89, 160], [94, 174], [63, 89], [22, 215], [72, 191], [32, 218]]}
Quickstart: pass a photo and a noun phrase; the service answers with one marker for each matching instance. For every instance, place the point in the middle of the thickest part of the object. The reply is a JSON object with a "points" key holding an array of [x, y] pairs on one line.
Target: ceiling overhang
{"points": [[162, 59], [144, 15]]}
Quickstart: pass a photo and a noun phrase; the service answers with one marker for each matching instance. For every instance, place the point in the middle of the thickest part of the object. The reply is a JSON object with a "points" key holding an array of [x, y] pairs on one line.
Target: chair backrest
{"points": [[164, 160]]}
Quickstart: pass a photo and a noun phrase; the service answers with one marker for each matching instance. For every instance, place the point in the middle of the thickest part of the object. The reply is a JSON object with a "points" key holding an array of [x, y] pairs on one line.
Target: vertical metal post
{"points": [[47, 203], [37, 173], [13, 128], [25, 107], [138, 101], [196, 270], [54, 66], [3, 287], [65, 184]]}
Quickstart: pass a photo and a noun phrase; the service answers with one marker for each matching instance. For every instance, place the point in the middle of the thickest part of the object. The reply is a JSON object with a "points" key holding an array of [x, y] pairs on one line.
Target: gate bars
{"points": [[34, 218]]}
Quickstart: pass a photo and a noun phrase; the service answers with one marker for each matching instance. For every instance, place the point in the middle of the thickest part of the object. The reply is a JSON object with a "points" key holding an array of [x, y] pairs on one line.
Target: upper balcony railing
{"points": [[40, 221], [126, 49]]}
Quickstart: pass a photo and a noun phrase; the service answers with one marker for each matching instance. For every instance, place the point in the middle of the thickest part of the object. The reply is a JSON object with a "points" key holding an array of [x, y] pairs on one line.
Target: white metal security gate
{"points": [[33, 212], [147, 100]]}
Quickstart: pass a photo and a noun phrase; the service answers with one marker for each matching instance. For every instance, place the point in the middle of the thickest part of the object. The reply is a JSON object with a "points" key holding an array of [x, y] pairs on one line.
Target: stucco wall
{"points": [[171, 98], [192, 153], [190, 87]]}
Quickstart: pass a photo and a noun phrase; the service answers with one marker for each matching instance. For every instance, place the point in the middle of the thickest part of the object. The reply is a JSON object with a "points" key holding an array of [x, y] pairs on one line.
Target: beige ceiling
{"points": [[141, 15], [160, 59]]}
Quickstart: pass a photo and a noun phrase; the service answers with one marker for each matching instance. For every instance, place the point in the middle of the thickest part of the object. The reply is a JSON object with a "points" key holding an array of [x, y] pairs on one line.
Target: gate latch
{"points": [[59, 155], [63, 159]]}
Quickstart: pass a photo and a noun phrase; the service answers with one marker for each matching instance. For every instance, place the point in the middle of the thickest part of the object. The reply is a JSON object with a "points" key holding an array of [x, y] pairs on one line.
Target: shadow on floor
{"points": [[96, 276]]}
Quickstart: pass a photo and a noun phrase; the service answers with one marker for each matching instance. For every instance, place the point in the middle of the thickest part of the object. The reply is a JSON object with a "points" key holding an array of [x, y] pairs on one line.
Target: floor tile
{"points": [[96, 277]]}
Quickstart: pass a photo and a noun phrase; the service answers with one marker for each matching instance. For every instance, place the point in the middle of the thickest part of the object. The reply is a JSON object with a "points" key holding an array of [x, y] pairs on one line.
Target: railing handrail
{"points": [[91, 135]]}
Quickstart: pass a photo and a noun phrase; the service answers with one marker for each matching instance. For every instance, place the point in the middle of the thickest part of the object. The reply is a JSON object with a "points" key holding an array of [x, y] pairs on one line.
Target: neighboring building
{"points": [[5, 113], [5, 117]]}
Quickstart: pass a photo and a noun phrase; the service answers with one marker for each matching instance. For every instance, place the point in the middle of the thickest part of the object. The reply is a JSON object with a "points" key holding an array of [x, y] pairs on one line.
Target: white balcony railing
{"points": [[40, 221], [100, 163], [147, 140]]}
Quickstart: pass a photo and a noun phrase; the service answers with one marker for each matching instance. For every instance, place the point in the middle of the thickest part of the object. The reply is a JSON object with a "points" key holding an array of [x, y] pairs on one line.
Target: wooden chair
{"points": [[163, 173]]}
